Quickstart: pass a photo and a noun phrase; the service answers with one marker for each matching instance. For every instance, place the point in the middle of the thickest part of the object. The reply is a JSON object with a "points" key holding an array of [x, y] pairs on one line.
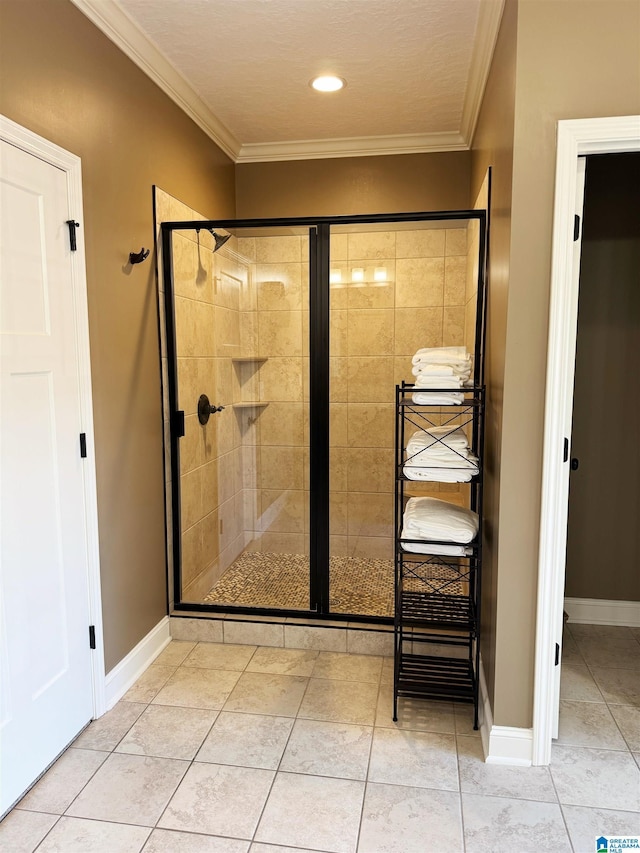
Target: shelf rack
{"points": [[437, 596]]}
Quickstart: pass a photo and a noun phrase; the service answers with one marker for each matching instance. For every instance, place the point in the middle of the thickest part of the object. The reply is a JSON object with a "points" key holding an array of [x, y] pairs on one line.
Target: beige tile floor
{"points": [[245, 749]]}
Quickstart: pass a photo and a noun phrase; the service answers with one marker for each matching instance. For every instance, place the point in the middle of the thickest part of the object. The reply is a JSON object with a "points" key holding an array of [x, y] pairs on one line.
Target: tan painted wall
{"points": [[344, 186], [493, 147], [574, 60], [63, 79]]}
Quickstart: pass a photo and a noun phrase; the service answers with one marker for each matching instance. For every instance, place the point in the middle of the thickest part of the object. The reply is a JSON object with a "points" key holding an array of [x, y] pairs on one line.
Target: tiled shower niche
{"points": [[242, 331]]}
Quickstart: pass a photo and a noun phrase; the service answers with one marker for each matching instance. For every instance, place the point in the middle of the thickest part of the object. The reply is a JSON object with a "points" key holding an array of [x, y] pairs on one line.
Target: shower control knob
{"points": [[205, 409]]}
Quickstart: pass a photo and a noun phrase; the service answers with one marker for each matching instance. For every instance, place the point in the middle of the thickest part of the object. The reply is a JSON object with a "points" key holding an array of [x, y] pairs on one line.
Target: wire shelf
{"points": [[428, 677]]}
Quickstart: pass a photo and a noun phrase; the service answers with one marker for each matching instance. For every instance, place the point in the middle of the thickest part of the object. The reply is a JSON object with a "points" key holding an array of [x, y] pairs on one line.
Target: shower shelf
{"points": [[255, 405], [250, 359], [437, 596]]}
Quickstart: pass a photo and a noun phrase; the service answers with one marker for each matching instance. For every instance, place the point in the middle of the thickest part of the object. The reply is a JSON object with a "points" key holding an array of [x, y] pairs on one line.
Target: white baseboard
{"points": [[595, 611], [511, 746], [502, 744], [130, 668]]}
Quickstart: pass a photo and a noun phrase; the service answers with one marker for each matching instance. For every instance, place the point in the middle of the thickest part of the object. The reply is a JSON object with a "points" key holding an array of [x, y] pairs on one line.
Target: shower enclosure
{"points": [[284, 344]]}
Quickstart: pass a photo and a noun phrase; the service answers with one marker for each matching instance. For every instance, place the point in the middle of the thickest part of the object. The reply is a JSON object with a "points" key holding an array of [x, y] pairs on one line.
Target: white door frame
{"points": [[69, 163], [575, 137]]}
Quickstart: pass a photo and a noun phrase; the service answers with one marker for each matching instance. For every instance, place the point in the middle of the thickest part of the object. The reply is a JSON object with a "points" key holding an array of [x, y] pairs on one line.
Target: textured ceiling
{"points": [[408, 64]]}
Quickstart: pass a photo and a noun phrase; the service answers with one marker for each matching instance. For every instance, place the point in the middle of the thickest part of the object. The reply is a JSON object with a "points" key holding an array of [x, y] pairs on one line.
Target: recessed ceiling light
{"points": [[327, 83]]}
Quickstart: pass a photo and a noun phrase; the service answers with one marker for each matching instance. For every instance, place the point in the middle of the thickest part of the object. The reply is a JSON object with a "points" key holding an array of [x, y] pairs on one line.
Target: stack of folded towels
{"points": [[431, 518], [440, 454], [440, 369]]}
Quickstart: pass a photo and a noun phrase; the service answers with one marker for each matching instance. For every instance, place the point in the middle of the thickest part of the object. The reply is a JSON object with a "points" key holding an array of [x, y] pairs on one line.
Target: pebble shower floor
{"points": [[358, 585]]}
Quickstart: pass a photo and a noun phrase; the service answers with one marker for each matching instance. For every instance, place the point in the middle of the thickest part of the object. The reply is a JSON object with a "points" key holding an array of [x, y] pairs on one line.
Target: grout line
{"points": [[366, 778], [564, 820], [277, 770], [373, 727], [191, 763], [464, 840], [102, 763], [48, 832]]}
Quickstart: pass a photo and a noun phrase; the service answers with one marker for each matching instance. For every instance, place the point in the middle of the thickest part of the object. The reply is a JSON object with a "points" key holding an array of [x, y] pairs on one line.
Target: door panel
{"points": [[45, 678], [241, 322]]}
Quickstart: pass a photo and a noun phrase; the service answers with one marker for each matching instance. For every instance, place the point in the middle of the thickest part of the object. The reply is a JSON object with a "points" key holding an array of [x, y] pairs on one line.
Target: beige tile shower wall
{"points": [[209, 293], [209, 289], [167, 209], [276, 460], [375, 330], [471, 285], [234, 296]]}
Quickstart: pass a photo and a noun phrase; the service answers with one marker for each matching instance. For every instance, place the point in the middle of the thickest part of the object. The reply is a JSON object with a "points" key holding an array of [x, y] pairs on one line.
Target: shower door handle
{"points": [[205, 409]]}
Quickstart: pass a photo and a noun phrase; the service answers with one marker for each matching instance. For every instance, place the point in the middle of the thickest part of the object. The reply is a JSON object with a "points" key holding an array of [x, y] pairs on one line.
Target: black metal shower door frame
{"points": [[319, 229]]}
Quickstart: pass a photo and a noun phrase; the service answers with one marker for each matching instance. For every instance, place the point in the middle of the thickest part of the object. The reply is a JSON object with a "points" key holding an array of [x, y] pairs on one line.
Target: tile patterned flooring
{"points": [[358, 584], [254, 579], [223, 748]]}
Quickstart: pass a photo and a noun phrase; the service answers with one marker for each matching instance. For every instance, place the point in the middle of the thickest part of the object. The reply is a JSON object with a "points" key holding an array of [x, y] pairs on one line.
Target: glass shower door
{"points": [[395, 287], [297, 332], [361, 287], [241, 337]]}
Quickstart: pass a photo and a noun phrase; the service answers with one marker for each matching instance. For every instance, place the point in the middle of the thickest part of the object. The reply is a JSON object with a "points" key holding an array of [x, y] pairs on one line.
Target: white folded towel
{"points": [[438, 475], [444, 550], [429, 369], [451, 435], [424, 380], [433, 398], [446, 355], [440, 456], [432, 518], [448, 448]]}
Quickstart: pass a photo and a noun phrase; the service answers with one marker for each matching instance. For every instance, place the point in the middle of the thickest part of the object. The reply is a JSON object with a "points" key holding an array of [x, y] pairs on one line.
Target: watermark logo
{"points": [[617, 843]]}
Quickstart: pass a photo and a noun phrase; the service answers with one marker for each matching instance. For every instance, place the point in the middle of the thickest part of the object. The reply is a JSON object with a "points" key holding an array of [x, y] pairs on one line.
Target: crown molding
{"points": [[356, 146], [114, 22], [489, 18]]}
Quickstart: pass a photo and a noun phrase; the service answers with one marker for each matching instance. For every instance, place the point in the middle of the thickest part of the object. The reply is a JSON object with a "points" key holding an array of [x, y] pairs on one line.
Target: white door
{"points": [[46, 694]]}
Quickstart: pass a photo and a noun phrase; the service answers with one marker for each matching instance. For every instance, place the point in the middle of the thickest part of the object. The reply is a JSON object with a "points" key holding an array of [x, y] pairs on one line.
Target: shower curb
{"points": [[349, 637]]}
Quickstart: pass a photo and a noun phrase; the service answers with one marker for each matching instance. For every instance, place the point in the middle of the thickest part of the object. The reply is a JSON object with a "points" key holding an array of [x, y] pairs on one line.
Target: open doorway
{"points": [[601, 648], [575, 138], [603, 537]]}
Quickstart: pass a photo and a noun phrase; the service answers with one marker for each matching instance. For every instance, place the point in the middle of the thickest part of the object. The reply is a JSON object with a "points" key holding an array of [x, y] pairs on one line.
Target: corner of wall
{"points": [[506, 745]]}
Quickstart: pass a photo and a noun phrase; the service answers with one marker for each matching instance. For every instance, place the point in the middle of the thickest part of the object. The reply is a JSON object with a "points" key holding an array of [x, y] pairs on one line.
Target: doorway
{"points": [[603, 538], [575, 138], [282, 499]]}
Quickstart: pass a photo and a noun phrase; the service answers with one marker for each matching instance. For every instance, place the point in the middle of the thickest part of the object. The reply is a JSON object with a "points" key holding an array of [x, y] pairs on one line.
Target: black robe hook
{"points": [[138, 257]]}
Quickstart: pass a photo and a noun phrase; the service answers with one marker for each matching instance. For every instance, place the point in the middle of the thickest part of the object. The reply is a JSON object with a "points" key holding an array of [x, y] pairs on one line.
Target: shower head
{"points": [[220, 239]]}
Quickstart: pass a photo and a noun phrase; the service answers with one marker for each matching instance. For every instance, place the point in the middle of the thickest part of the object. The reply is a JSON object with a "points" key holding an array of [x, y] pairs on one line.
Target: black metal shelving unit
{"points": [[437, 597]]}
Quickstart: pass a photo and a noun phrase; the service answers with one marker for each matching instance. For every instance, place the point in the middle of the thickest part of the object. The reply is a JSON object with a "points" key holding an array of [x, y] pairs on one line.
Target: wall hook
{"points": [[138, 257]]}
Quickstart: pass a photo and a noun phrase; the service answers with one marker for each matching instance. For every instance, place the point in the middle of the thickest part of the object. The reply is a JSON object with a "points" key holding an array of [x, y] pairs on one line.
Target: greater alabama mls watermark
{"points": [[617, 843]]}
